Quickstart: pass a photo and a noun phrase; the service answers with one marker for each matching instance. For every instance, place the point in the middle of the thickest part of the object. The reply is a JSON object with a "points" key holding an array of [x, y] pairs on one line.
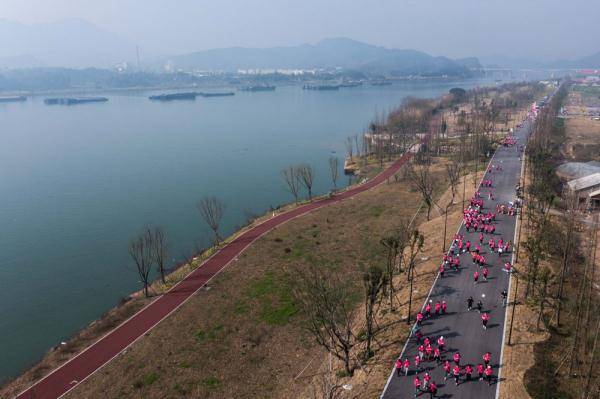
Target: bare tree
{"points": [[422, 181], [140, 250], [355, 137], [569, 224], [349, 147], [159, 250], [327, 303], [395, 244], [334, 168], [328, 386], [307, 175], [417, 241], [373, 282], [453, 169], [212, 209], [292, 180], [545, 277]]}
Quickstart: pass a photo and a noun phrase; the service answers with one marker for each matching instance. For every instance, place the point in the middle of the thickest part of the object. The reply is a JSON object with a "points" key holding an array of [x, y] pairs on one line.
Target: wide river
{"points": [[77, 182]]}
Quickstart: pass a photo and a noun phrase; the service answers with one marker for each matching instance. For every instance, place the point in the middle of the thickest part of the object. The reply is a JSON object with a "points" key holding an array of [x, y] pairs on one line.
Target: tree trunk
{"points": [[591, 369], [542, 303], [410, 298]]}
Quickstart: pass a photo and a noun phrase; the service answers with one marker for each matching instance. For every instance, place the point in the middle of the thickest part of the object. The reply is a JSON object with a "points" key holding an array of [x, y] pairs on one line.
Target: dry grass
{"points": [[242, 338], [582, 133], [519, 357], [369, 380]]}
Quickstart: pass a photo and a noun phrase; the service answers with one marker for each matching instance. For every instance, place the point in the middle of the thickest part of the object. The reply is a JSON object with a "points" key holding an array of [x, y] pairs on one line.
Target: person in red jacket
{"points": [[417, 384], [441, 342], [485, 273], [406, 366], [426, 379], [456, 374], [487, 356], [475, 276], [428, 310], [418, 364], [437, 355], [432, 390], [419, 318], [447, 370], [437, 307], [488, 374], [484, 319], [398, 366], [444, 307], [468, 372], [456, 358], [480, 371]]}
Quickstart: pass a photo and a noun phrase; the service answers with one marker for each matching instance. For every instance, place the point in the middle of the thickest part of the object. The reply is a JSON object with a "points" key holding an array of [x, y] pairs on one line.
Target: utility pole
{"points": [[512, 317], [521, 208], [464, 189], [137, 53], [445, 225]]}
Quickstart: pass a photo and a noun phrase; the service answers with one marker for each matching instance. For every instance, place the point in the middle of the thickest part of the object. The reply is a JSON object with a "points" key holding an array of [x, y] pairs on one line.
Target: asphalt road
{"points": [[463, 330]]}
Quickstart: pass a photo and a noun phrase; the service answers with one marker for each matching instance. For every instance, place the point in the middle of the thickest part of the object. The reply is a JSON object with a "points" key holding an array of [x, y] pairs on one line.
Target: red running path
{"points": [[73, 372]]}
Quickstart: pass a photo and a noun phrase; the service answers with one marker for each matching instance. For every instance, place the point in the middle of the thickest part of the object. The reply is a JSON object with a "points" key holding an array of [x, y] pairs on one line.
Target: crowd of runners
{"points": [[479, 221]]}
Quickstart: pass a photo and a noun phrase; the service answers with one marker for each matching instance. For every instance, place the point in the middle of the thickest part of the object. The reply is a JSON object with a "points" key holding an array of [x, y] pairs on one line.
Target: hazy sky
{"points": [[532, 28]]}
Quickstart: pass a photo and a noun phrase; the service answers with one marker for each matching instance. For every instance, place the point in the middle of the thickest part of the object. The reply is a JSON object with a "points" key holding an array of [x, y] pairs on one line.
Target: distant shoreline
{"points": [[221, 85]]}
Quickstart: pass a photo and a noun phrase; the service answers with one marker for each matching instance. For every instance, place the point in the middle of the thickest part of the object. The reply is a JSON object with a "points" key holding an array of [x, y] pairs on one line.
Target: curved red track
{"points": [[67, 376]]}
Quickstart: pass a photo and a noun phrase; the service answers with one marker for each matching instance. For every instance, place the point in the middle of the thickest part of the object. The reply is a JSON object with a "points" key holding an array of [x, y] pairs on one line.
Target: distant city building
{"points": [[281, 71]]}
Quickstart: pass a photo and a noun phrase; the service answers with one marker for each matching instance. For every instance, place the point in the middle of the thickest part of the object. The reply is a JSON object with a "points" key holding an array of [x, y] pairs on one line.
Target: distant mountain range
{"points": [[76, 43], [326, 54], [72, 43]]}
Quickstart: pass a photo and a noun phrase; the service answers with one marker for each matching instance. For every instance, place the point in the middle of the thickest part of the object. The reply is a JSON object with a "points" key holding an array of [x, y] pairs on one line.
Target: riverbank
{"points": [[204, 86], [66, 351], [380, 209]]}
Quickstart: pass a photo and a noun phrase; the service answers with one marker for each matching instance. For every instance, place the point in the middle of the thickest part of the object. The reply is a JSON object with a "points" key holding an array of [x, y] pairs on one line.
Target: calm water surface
{"points": [[76, 183]]}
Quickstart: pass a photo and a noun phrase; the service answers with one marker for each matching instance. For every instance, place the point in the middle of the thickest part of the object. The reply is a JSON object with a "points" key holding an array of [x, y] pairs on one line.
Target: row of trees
{"points": [[560, 253], [329, 300], [301, 176], [149, 249]]}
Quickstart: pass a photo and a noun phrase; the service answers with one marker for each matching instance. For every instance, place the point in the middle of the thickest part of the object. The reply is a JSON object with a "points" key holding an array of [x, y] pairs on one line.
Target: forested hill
{"points": [[329, 53]]}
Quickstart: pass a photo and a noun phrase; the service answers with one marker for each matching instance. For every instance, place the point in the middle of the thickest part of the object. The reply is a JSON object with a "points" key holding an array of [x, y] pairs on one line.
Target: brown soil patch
{"points": [[583, 138]]}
